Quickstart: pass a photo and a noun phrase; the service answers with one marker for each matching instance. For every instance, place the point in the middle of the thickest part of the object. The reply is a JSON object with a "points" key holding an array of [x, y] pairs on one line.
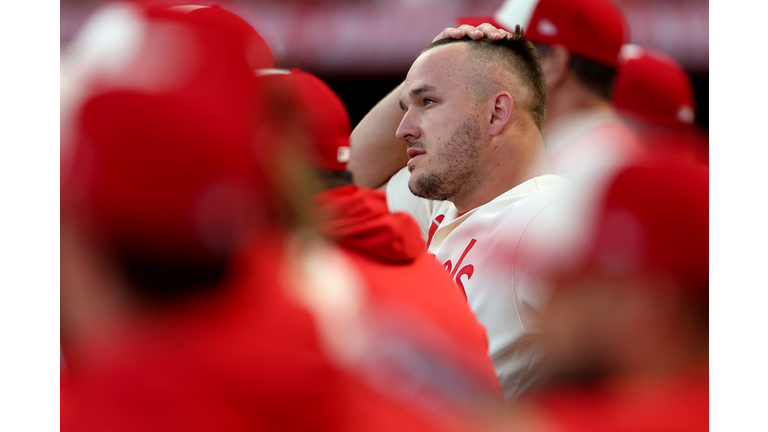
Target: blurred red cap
{"points": [[214, 17], [592, 29], [323, 114], [654, 220], [654, 87], [165, 167]]}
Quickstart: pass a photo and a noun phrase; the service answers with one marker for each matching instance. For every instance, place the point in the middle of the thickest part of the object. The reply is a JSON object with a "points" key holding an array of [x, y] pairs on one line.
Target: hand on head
{"points": [[474, 33]]}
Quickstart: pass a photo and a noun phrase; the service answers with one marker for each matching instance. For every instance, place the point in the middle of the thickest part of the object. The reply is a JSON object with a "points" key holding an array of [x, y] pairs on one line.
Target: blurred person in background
{"points": [[655, 96], [187, 300], [627, 326], [579, 43], [127, 61], [471, 113], [401, 277]]}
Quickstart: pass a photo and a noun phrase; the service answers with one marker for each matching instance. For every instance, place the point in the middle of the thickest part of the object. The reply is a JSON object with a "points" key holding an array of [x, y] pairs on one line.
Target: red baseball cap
{"points": [[592, 29], [253, 45], [322, 113], [165, 167], [654, 87], [654, 219]]}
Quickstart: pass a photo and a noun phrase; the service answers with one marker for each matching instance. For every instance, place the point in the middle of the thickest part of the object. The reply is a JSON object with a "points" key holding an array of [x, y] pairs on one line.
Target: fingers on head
{"points": [[471, 31]]}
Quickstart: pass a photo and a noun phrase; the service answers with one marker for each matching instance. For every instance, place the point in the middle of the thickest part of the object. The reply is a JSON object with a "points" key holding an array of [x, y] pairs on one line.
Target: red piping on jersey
{"points": [[433, 228]]}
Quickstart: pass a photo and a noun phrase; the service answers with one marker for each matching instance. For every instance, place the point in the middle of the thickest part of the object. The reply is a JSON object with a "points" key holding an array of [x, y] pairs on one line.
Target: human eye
{"points": [[429, 101]]}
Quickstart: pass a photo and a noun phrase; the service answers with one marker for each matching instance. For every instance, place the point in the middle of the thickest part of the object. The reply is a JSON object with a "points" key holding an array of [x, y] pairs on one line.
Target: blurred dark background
{"points": [[363, 49]]}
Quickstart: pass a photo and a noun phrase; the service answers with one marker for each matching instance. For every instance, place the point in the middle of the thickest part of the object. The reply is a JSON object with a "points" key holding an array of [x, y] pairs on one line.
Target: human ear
{"points": [[555, 66], [501, 112]]}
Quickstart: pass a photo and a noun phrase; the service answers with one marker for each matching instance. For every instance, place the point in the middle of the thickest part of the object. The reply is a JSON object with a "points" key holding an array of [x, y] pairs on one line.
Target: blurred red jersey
{"points": [[679, 403], [402, 277], [248, 359]]}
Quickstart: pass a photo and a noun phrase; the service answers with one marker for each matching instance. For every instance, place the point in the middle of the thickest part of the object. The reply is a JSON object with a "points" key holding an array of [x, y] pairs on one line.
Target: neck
{"points": [[514, 157], [571, 98]]}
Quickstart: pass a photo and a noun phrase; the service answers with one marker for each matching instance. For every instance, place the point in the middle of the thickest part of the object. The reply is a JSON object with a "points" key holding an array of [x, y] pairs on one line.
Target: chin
{"points": [[429, 186]]}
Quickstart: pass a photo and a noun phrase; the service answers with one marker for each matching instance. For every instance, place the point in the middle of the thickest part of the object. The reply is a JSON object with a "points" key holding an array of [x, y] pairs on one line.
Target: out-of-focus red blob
{"points": [[249, 40], [322, 112], [680, 403], [653, 86], [653, 220], [248, 360], [166, 167], [626, 327], [655, 96], [592, 29]]}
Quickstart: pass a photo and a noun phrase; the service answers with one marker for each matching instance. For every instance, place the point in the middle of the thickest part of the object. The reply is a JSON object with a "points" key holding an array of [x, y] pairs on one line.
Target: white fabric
{"points": [[514, 12], [591, 142], [480, 250]]}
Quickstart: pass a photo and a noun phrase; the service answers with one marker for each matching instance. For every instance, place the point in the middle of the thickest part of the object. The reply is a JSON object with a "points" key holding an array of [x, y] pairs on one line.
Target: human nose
{"points": [[408, 129]]}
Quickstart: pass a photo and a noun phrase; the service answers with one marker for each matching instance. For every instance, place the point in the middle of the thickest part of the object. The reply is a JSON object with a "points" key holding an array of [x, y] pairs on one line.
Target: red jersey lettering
{"points": [[467, 270], [466, 251]]}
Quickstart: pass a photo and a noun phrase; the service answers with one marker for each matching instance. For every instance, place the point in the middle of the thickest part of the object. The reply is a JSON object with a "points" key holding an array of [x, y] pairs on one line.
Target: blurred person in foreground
{"points": [[403, 280], [579, 43], [471, 113], [188, 301], [627, 326], [654, 95]]}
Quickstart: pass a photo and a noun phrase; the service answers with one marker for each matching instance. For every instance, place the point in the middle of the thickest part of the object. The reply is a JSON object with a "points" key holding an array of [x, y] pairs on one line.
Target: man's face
{"points": [[441, 124]]}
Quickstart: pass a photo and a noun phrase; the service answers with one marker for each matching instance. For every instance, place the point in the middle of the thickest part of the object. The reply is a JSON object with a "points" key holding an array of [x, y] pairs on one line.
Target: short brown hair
{"points": [[595, 77], [518, 55]]}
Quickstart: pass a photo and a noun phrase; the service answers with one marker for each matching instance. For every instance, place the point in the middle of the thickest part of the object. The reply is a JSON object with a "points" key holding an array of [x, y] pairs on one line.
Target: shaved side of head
{"points": [[510, 64]]}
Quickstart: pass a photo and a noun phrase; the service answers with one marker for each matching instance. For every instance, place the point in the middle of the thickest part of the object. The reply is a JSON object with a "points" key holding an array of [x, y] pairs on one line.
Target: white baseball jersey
{"points": [[480, 250], [590, 142]]}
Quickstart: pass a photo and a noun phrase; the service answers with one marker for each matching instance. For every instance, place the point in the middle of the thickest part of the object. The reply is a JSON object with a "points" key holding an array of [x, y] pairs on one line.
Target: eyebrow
{"points": [[417, 91]]}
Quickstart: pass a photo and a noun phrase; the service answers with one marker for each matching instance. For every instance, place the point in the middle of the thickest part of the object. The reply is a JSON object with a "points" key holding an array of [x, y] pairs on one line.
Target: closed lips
{"points": [[412, 153]]}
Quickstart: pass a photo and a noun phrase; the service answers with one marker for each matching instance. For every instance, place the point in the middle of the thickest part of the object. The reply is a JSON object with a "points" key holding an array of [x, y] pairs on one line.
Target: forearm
{"points": [[376, 153]]}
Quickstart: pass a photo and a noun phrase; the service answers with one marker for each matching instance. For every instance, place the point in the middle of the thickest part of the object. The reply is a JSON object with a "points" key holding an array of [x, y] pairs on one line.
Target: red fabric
{"points": [[592, 29], [246, 360], [388, 250], [360, 219], [684, 143], [322, 114], [679, 403], [67, 399], [654, 87], [654, 219]]}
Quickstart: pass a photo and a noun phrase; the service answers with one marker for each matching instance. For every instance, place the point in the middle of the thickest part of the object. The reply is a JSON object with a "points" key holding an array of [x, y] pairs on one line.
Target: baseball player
{"points": [[180, 303], [472, 113], [402, 280], [579, 43]]}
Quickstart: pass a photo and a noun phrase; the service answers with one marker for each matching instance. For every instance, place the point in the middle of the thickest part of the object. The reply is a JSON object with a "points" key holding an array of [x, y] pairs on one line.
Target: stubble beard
{"points": [[461, 154]]}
